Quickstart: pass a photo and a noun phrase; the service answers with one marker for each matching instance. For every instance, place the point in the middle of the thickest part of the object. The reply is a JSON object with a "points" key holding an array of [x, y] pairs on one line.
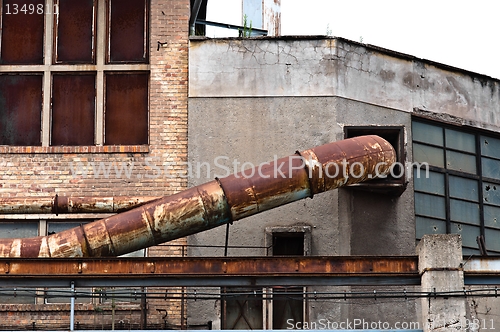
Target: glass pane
{"points": [[107, 295], [427, 133], [22, 32], [460, 162], [11, 296], [491, 216], [490, 147], [126, 115], [75, 25], [423, 153], [127, 33], [73, 109], [63, 295], [20, 109], [241, 311], [469, 234], [463, 188], [460, 140], [18, 229], [56, 227], [490, 168], [464, 211], [491, 193], [431, 206], [492, 239], [429, 226], [287, 307], [433, 184], [468, 251]]}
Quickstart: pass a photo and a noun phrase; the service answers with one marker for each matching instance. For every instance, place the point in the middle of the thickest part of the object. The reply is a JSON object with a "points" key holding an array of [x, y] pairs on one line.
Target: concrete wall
{"points": [[252, 99]]}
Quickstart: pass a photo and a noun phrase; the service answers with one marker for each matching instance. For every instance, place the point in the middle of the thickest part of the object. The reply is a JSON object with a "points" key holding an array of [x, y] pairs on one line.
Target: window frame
{"points": [[100, 66], [450, 173]]}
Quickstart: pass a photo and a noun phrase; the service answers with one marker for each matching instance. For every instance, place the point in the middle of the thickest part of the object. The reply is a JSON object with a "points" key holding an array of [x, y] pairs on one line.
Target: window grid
{"points": [[100, 67], [451, 177]]}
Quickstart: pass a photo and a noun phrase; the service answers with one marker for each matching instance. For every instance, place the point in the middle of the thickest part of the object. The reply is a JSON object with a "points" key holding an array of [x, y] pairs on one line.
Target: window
{"points": [[79, 77], [461, 193], [395, 183]]}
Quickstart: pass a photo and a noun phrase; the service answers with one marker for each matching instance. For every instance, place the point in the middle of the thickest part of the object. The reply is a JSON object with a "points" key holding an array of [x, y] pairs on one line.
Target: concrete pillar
{"points": [[439, 258]]}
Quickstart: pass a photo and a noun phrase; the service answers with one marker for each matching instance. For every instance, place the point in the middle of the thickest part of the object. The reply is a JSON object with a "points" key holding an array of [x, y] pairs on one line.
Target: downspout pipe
{"points": [[218, 202]]}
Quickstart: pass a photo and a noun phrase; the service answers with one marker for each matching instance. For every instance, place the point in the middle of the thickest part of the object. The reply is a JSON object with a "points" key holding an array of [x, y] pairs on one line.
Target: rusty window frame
{"points": [[55, 46], [449, 174], [145, 37], [395, 136]]}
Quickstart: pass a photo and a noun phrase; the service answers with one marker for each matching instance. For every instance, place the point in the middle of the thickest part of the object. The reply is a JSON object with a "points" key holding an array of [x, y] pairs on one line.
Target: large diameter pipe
{"points": [[217, 202], [70, 204]]}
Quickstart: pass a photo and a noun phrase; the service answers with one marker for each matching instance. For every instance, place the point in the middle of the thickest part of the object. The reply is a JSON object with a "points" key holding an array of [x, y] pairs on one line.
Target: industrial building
{"points": [[132, 112]]}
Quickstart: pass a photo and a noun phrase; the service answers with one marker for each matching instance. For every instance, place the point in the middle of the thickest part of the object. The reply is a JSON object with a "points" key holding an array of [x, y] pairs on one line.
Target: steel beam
{"points": [[210, 271]]}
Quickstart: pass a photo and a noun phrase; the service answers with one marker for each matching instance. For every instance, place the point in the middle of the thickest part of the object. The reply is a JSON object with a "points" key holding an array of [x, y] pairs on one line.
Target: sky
{"points": [[463, 34]]}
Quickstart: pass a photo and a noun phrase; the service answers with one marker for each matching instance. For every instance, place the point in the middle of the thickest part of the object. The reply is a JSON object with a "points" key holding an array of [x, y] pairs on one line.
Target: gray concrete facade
{"points": [[253, 99]]}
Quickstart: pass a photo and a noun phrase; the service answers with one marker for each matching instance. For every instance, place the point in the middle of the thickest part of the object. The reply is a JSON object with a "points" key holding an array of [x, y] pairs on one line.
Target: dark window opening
{"points": [[240, 310], [395, 183], [20, 109], [288, 244], [288, 302], [126, 109]]}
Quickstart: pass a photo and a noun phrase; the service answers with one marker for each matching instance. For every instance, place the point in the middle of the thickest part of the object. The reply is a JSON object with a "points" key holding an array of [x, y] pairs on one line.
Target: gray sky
{"points": [[463, 34]]}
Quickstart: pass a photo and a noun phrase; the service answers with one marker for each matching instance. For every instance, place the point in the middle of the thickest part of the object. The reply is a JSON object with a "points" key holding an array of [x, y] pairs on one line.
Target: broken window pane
{"points": [[75, 27], [127, 31], [73, 109], [126, 109], [490, 147], [22, 32], [463, 188], [423, 153], [461, 162], [429, 226], [469, 234], [460, 140], [20, 109], [492, 216], [491, 193], [427, 133]]}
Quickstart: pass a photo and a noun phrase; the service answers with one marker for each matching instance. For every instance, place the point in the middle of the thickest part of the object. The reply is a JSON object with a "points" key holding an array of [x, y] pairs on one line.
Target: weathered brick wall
{"points": [[46, 171]]}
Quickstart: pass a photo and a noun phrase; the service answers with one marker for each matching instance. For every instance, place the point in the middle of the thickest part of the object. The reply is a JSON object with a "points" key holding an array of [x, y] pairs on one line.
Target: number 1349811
{"points": [[29, 9]]}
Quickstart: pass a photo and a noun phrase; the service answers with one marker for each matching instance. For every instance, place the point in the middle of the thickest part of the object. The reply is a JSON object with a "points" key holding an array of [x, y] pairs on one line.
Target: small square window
{"points": [[395, 182]]}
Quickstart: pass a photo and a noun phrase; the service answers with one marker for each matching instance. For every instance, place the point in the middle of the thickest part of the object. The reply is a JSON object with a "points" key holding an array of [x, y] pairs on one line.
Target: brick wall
{"points": [[46, 171]]}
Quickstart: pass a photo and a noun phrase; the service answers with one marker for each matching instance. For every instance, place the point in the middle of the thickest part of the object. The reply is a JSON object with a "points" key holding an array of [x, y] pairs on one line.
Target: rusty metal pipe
{"points": [[67, 204], [217, 202]]}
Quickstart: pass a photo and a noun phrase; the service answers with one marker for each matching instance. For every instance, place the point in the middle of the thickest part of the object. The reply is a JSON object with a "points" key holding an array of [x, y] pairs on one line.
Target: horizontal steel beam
{"points": [[210, 271]]}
